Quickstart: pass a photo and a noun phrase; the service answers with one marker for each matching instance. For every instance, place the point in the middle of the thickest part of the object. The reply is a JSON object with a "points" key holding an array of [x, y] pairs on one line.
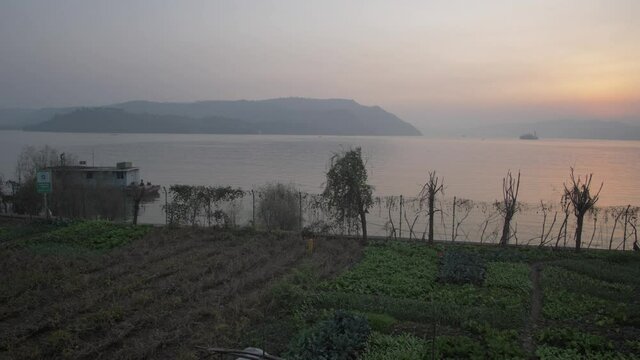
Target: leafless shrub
{"points": [[465, 206], [562, 232], [579, 195], [546, 209], [391, 203], [428, 194], [509, 205]]}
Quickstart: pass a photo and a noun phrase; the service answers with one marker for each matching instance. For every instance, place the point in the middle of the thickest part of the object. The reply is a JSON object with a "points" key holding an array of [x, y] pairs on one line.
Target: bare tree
{"points": [[465, 206], [562, 232], [509, 205], [137, 193], [31, 159], [412, 224], [578, 192], [490, 216], [428, 193], [546, 209]]}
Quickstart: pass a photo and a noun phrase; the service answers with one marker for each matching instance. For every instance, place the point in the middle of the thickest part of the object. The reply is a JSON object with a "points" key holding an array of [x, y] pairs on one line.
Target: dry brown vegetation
{"points": [[159, 297]]}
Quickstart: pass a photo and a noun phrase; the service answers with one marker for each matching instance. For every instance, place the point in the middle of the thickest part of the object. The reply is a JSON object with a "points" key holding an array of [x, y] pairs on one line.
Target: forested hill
{"points": [[111, 120], [277, 116]]}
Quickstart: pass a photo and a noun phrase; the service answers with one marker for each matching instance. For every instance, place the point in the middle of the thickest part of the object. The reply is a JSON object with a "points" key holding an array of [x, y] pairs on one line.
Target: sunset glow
{"points": [[425, 60]]}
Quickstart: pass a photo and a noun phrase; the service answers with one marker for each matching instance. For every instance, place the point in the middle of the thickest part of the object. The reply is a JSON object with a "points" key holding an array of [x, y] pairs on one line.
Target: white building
{"points": [[121, 175]]}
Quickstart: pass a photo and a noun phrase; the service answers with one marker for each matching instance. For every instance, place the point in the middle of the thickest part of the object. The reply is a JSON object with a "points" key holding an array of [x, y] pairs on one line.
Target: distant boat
{"points": [[529, 136]]}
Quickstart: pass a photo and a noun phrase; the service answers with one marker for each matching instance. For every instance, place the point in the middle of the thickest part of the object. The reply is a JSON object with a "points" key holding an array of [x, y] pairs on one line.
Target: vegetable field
{"points": [[104, 290], [480, 302]]}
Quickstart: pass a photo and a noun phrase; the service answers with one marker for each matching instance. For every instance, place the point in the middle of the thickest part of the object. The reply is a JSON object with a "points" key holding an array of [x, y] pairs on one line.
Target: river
{"points": [[472, 169]]}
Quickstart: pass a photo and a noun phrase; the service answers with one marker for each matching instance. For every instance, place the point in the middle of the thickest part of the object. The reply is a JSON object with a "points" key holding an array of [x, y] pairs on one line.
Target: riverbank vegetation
{"points": [[347, 206]]}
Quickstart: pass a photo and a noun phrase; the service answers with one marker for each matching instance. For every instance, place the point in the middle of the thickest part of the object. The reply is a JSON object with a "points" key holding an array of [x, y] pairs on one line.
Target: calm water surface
{"points": [[473, 168]]}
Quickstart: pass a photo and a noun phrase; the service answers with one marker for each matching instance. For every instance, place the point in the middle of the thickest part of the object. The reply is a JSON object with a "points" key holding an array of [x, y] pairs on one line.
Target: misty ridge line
{"points": [[296, 116], [284, 116]]}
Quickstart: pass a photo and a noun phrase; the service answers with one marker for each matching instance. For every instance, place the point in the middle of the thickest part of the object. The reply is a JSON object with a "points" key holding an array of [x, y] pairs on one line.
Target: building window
{"points": [[120, 175], [89, 175]]}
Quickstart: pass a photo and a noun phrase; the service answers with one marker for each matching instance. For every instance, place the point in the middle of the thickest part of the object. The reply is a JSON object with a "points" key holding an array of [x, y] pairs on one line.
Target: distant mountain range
{"points": [[300, 116], [276, 116]]}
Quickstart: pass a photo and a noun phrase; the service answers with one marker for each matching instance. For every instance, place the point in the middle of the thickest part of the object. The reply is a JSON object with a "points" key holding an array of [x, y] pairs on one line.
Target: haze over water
{"points": [[472, 168]]}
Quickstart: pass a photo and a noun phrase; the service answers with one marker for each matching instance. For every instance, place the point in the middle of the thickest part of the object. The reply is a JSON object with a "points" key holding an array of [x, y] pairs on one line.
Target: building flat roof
{"points": [[89, 168]]}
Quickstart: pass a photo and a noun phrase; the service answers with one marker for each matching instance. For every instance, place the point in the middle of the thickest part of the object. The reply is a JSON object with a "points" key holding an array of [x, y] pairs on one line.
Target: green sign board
{"points": [[43, 183]]}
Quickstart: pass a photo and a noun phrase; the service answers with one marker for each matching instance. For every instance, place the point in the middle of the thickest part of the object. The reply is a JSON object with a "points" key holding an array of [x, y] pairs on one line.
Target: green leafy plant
{"points": [[96, 235], [380, 322], [514, 276], [398, 270], [398, 347], [569, 295], [459, 347], [460, 267], [582, 342], [343, 336]]}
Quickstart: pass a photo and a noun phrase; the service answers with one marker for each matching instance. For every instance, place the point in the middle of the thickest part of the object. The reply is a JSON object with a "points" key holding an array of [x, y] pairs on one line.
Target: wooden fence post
{"points": [[400, 228]]}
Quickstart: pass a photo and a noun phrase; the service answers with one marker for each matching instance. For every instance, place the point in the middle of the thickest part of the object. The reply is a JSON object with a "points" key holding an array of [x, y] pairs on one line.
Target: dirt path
{"points": [[536, 308]]}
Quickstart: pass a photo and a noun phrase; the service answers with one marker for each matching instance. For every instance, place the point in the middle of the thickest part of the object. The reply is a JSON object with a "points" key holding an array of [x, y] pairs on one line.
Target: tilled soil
{"points": [[159, 297]]}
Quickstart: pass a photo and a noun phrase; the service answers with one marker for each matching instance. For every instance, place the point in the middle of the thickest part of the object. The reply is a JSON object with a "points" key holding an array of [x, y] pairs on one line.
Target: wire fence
{"points": [[456, 219]]}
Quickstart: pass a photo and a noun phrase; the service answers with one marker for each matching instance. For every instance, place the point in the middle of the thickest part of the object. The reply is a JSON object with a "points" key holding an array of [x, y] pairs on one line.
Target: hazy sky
{"points": [[427, 61]]}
